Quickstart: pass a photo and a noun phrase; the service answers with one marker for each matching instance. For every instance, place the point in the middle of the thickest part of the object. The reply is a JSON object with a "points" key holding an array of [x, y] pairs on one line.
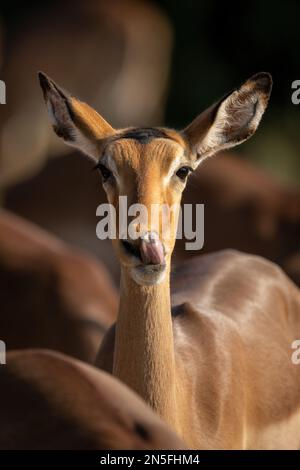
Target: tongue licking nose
{"points": [[152, 250]]}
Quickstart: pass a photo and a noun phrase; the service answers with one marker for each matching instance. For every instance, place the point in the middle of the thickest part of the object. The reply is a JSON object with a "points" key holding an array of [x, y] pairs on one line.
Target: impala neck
{"points": [[144, 349]]}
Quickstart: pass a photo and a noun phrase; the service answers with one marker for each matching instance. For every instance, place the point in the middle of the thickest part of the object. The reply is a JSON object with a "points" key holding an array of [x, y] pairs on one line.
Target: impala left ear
{"points": [[75, 122], [232, 120]]}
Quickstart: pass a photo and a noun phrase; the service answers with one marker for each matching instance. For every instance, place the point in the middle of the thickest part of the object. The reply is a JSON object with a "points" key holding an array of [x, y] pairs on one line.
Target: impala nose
{"points": [[152, 249]]}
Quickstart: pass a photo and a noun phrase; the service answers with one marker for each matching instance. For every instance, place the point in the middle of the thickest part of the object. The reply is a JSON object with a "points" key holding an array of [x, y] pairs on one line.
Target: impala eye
{"points": [[183, 172], [104, 171]]}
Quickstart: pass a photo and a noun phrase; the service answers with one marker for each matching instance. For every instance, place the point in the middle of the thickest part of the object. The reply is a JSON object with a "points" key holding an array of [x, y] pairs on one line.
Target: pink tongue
{"points": [[152, 250]]}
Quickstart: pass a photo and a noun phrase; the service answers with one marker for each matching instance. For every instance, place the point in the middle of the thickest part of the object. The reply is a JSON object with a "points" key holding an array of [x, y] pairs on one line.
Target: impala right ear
{"points": [[232, 120], [75, 122]]}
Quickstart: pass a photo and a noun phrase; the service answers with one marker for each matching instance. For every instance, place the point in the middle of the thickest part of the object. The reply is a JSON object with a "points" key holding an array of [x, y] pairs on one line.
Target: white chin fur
{"points": [[148, 275]]}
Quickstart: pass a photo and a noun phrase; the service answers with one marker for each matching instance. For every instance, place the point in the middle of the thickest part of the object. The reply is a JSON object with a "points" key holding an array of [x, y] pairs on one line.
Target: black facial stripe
{"points": [[143, 135]]}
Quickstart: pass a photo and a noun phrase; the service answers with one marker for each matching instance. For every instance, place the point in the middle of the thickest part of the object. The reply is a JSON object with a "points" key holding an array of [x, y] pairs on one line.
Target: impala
{"points": [[54, 402], [51, 294], [213, 360]]}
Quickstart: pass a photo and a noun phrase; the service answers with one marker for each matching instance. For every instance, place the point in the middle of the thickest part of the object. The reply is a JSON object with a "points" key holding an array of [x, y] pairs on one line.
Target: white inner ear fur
{"points": [[236, 120], [85, 145]]}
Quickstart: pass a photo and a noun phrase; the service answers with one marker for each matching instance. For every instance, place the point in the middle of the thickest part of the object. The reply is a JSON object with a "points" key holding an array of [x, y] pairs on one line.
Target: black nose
{"points": [[131, 248]]}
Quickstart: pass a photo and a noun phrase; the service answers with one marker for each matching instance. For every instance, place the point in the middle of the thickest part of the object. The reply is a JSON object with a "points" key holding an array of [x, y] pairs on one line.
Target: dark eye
{"points": [[183, 172], [104, 171]]}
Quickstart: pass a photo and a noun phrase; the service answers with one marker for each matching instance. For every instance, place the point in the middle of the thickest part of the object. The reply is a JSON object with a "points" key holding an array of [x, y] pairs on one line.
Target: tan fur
{"points": [[50, 401], [235, 381], [219, 371], [52, 295]]}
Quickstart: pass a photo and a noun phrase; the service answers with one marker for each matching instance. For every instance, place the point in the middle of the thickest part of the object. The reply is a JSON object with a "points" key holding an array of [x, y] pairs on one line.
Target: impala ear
{"points": [[75, 122], [232, 120]]}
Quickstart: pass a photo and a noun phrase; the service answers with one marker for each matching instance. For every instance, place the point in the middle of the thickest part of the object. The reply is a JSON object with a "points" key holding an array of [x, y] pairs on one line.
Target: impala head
{"points": [[151, 166]]}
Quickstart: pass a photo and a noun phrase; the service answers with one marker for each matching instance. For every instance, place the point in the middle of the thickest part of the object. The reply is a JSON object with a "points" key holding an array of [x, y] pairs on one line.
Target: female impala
{"points": [[217, 365], [50, 401]]}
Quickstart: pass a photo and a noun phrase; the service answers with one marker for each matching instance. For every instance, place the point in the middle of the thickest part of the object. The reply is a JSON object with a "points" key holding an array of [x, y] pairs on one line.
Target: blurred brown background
{"points": [[153, 63], [139, 63]]}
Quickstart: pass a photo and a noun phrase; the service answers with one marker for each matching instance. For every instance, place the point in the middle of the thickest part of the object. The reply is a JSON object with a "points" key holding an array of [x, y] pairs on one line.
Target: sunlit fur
{"points": [[213, 359], [51, 401], [142, 173]]}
